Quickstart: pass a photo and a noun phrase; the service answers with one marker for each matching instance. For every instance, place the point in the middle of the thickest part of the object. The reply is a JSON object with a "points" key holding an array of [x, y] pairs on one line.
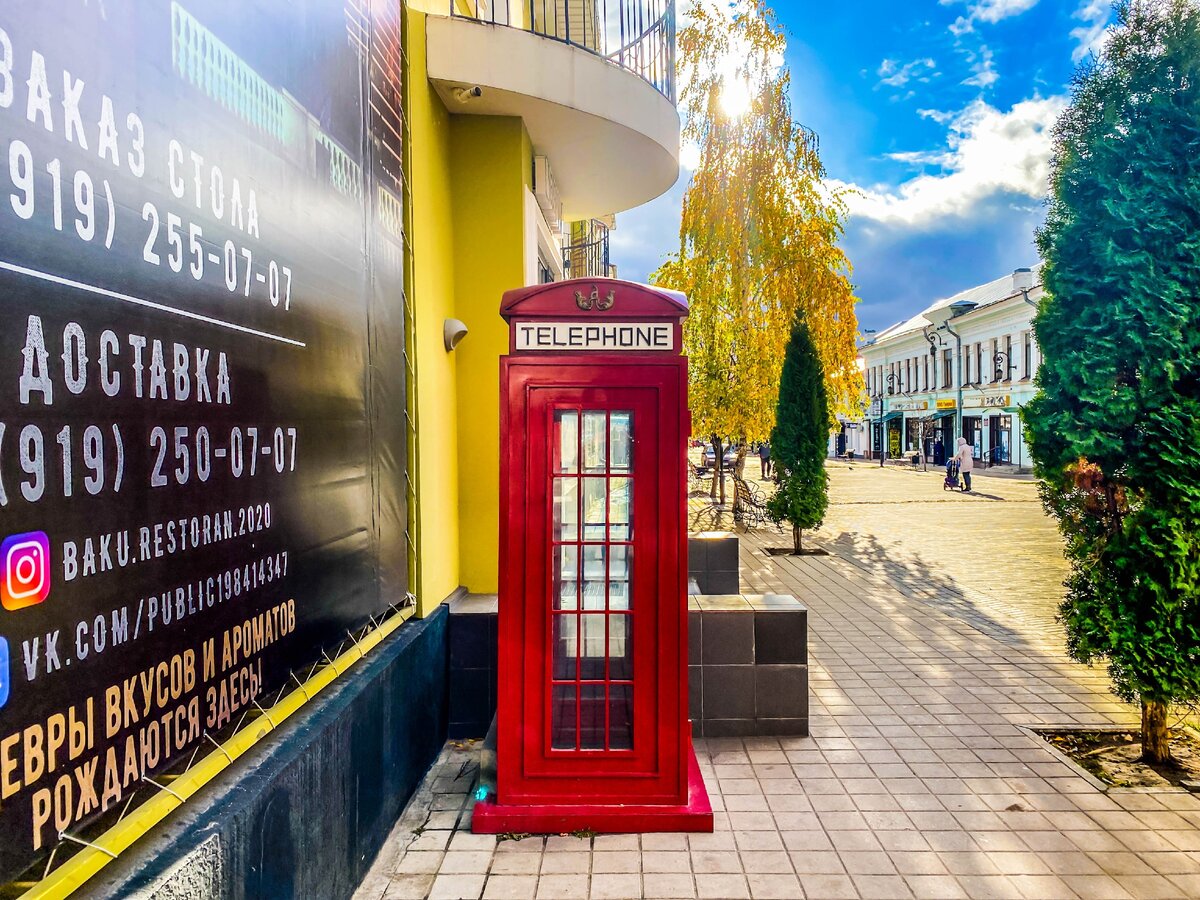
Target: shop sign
{"points": [[910, 405], [948, 403], [876, 410], [987, 401], [200, 260]]}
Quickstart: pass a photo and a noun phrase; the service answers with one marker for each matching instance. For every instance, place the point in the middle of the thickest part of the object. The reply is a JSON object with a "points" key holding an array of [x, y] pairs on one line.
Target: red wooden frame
{"points": [[656, 785]]}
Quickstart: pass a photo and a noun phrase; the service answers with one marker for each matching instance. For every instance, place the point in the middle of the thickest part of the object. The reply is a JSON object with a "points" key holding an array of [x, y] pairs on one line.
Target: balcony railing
{"points": [[586, 256], [637, 35]]}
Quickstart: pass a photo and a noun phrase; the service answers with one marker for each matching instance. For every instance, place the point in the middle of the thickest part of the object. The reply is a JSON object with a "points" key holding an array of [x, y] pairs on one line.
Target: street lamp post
{"points": [[956, 310]]}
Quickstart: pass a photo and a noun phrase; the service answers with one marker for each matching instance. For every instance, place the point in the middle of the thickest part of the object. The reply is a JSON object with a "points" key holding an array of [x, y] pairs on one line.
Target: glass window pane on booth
{"points": [[566, 509], [567, 422], [563, 717], [620, 430], [594, 508], [593, 577], [620, 509], [620, 648], [592, 638], [591, 717], [620, 716], [595, 440], [566, 646], [566, 578], [620, 575]]}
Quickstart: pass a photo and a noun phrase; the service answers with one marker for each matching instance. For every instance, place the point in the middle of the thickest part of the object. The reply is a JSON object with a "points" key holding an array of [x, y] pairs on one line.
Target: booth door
{"points": [[593, 617]]}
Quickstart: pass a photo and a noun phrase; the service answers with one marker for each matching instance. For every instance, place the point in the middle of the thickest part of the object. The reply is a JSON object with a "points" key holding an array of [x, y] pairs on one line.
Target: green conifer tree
{"points": [[800, 438], [1115, 428]]}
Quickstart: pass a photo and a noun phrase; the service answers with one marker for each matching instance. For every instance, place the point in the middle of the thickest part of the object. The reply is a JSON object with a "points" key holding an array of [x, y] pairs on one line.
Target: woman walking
{"points": [[966, 462]]}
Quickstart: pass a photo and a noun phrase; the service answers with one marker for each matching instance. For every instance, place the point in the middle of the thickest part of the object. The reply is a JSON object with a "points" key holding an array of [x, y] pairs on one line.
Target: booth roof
{"points": [[559, 296]]}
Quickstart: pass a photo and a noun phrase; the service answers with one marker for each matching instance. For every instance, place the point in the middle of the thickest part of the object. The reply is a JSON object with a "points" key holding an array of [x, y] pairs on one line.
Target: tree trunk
{"points": [[718, 484], [797, 540], [1156, 737], [716, 445]]}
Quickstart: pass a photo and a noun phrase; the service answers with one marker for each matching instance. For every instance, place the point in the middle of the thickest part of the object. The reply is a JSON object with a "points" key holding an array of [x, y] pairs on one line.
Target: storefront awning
{"points": [[892, 415], [943, 414]]}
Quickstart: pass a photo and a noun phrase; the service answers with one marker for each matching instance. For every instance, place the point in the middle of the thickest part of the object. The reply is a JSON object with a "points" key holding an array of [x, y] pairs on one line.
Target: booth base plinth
{"points": [[697, 816]]}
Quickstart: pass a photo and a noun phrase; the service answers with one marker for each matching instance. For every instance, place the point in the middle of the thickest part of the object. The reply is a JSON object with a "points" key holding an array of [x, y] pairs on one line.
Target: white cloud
{"points": [[997, 10], [1092, 35], [937, 115], [984, 69], [923, 157], [893, 74], [989, 154], [987, 11]]}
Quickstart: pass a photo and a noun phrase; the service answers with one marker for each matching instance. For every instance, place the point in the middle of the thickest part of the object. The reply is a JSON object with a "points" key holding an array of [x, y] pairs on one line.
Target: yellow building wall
{"points": [[492, 166], [433, 252], [469, 180]]}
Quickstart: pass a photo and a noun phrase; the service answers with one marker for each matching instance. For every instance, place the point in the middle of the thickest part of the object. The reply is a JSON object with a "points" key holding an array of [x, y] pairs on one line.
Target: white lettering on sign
{"points": [[567, 336]]}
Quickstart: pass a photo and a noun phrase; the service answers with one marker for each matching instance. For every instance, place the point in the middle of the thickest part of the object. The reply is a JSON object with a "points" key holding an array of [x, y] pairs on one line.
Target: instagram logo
{"points": [[26, 577]]}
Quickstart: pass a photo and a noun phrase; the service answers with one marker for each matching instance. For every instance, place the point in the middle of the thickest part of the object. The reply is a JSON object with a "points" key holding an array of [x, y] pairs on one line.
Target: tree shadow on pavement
{"points": [[916, 579]]}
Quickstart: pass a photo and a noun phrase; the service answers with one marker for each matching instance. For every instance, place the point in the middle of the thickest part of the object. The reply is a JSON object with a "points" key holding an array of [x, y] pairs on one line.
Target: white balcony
{"points": [[596, 97]]}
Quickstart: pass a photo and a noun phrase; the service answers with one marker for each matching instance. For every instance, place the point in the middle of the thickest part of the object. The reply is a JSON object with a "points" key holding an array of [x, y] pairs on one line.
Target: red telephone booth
{"points": [[592, 720]]}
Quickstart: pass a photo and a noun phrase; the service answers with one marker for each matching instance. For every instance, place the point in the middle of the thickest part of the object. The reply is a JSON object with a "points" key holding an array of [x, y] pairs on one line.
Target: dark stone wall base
{"points": [[304, 813]]}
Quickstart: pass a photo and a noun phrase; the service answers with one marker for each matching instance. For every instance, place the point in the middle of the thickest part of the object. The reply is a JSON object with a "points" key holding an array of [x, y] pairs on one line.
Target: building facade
{"points": [[962, 367]]}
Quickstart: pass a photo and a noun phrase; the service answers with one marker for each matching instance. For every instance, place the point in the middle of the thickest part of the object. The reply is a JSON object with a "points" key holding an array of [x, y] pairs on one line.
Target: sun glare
{"points": [[736, 97]]}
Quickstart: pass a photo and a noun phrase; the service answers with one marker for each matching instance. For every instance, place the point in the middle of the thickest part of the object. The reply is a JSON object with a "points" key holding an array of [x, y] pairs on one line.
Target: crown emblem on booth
{"points": [[594, 299]]}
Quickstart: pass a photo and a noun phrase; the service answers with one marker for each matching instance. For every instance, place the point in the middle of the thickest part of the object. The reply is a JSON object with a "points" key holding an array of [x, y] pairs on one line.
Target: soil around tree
{"points": [[791, 551], [1114, 757]]}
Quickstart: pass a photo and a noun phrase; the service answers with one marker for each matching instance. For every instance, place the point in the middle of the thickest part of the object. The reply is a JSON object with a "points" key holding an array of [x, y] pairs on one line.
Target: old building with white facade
{"points": [[964, 366]]}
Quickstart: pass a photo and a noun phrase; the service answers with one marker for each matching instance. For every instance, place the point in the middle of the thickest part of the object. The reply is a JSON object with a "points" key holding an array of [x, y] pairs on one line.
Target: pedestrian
{"points": [[939, 452], [966, 462], [764, 460]]}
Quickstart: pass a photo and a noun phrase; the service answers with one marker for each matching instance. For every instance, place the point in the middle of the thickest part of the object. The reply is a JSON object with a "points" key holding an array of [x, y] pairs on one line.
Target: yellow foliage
{"points": [[759, 233]]}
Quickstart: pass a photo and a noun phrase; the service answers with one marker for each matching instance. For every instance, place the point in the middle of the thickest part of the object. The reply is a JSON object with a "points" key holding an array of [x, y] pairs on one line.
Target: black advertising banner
{"points": [[202, 439]]}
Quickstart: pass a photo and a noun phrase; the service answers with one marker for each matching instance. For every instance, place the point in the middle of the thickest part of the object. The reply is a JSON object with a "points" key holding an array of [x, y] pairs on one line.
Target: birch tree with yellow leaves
{"points": [[759, 233]]}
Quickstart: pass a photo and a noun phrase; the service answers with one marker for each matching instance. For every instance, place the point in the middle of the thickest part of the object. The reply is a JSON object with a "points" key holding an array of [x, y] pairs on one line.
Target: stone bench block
{"points": [[748, 665]]}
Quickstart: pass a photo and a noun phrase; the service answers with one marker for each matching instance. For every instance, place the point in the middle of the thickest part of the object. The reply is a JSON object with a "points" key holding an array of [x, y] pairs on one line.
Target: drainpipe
{"points": [[1020, 418]]}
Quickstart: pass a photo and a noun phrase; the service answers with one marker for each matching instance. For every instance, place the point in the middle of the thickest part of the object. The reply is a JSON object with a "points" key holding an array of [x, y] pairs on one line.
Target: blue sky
{"points": [[939, 112]]}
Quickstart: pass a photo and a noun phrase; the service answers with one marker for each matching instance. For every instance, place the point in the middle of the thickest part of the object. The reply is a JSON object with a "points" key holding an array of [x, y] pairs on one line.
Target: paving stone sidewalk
{"points": [[919, 779]]}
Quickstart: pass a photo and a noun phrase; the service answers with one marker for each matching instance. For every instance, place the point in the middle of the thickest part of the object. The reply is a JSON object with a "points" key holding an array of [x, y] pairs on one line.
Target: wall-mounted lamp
{"points": [[453, 331]]}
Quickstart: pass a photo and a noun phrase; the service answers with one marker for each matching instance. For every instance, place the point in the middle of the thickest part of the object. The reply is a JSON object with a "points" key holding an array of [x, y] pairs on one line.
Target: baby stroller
{"points": [[951, 482]]}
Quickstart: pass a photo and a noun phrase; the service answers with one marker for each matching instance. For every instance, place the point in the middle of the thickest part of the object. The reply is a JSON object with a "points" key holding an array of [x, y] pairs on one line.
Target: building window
{"points": [[1028, 340], [1009, 365], [979, 363], [925, 383], [996, 373], [966, 366], [947, 368]]}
